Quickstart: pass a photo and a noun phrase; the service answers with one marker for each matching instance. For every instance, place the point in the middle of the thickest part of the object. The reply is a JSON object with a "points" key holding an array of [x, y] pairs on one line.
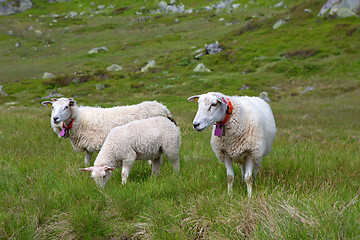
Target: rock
{"points": [[101, 7], [72, 14], [2, 91], [100, 86], [172, 2], [201, 68], [278, 5], [308, 89], [114, 68], [213, 48], [236, 5], [244, 87], [48, 75], [264, 96], [278, 24], [18, 44], [150, 64], [98, 50], [163, 5], [12, 7], [53, 94], [340, 8]]}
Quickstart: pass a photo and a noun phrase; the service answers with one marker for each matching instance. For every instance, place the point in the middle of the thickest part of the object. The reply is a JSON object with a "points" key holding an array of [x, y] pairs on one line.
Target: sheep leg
{"points": [[126, 167], [156, 164], [249, 166], [87, 157], [242, 170], [230, 174], [175, 161]]}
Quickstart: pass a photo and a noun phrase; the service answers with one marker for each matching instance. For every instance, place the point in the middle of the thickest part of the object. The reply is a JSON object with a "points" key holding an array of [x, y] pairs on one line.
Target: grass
{"points": [[307, 188]]}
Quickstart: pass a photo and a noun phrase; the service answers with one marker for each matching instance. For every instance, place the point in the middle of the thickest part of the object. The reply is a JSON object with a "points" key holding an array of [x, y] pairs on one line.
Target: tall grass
{"points": [[307, 188]]}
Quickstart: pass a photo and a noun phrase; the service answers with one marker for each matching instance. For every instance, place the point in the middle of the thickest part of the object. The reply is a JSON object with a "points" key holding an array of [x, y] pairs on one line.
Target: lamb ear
{"points": [[47, 104], [194, 98], [88, 169], [54, 99]]}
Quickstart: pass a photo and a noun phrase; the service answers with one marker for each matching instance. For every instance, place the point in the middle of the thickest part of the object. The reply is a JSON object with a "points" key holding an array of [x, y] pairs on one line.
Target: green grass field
{"points": [[307, 188]]}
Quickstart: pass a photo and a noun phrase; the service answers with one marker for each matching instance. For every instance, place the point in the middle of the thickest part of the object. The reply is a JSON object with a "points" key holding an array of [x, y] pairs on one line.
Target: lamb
{"points": [[243, 133], [139, 140], [87, 127]]}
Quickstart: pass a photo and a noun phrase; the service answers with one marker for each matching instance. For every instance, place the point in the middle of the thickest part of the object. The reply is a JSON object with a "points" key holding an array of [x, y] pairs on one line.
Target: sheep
{"points": [[243, 133], [89, 126], [139, 140]]}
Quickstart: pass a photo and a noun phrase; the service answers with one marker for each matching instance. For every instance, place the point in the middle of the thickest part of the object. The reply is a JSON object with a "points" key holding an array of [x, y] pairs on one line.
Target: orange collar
{"points": [[229, 110]]}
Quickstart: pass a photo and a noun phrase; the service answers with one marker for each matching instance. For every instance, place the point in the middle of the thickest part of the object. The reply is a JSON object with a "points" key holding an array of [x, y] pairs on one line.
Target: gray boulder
{"points": [[98, 50], [264, 96], [114, 68], [201, 68], [278, 24], [340, 8], [213, 48], [2, 91], [48, 75], [12, 7], [150, 64]]}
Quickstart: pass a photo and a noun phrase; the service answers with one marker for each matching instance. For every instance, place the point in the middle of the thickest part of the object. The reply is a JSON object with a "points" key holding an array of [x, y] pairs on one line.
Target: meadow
{"points": [[307, 188]]}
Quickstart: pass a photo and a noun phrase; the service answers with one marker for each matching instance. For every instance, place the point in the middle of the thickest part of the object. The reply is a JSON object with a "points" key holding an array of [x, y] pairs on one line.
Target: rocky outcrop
{"points": [[340, 8], [12, 7]]}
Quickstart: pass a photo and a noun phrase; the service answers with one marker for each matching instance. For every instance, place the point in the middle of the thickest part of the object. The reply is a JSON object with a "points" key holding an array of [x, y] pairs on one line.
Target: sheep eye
{"points": [[212, 105]]}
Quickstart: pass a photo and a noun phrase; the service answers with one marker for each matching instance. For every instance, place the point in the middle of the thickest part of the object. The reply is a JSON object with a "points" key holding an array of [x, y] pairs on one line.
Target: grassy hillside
{"points": [[307, 188]]}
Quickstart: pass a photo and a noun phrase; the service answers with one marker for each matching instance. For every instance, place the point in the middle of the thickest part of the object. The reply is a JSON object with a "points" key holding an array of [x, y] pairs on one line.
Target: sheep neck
{"points": [[219, 130]]}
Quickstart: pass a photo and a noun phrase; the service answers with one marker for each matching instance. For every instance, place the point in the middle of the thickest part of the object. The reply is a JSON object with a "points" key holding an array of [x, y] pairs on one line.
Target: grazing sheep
{"points": [[139, 140], [243, 133], [87, 127]]}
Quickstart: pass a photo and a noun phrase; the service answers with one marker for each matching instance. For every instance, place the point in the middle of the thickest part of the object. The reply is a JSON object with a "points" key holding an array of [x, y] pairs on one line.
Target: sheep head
{"points": [[61, 108], [211, 109], [101, 174]]}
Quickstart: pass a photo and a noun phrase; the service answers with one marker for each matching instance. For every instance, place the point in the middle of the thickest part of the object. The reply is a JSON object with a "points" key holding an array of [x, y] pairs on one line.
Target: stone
{"points": [[213, 48], [150, 64], [201, 68], [114, 68], [2, 91], [340, 8], [72, 14], [264, 96], [236, 5], [48, 75], [278, 5], [308, 89], [163, 5], [98, 50], [12, 7], [278, 24], [100, 86], [244, 87]]}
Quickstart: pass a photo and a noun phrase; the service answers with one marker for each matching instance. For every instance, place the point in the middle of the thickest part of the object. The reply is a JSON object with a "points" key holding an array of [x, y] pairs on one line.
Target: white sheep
{"points": [[139, 140], [87, 127], [243, 133]]}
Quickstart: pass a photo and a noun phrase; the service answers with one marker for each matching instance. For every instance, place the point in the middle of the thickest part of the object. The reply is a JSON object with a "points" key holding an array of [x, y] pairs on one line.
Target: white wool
{"points": [[249, 132], [139, 140], [91, 125]]}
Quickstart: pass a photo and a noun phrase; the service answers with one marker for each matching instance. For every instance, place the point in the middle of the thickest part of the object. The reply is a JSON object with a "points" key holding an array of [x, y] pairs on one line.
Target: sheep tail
{"points": [[171, 119]]}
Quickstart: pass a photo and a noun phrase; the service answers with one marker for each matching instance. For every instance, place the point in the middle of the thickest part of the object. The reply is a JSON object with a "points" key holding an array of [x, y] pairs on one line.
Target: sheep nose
{"points": [[196, 125], [55, 119]]}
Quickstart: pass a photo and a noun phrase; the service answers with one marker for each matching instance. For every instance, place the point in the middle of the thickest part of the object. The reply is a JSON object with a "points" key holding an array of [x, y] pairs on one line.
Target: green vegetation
{"points": [[307, 188]]}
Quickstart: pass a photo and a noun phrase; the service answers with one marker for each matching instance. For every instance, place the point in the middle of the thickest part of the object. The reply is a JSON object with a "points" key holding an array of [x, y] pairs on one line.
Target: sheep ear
{"points": [[88, 169], [107, 168], [72, 102], [47, 104], [54, 99], [194, 98]]}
